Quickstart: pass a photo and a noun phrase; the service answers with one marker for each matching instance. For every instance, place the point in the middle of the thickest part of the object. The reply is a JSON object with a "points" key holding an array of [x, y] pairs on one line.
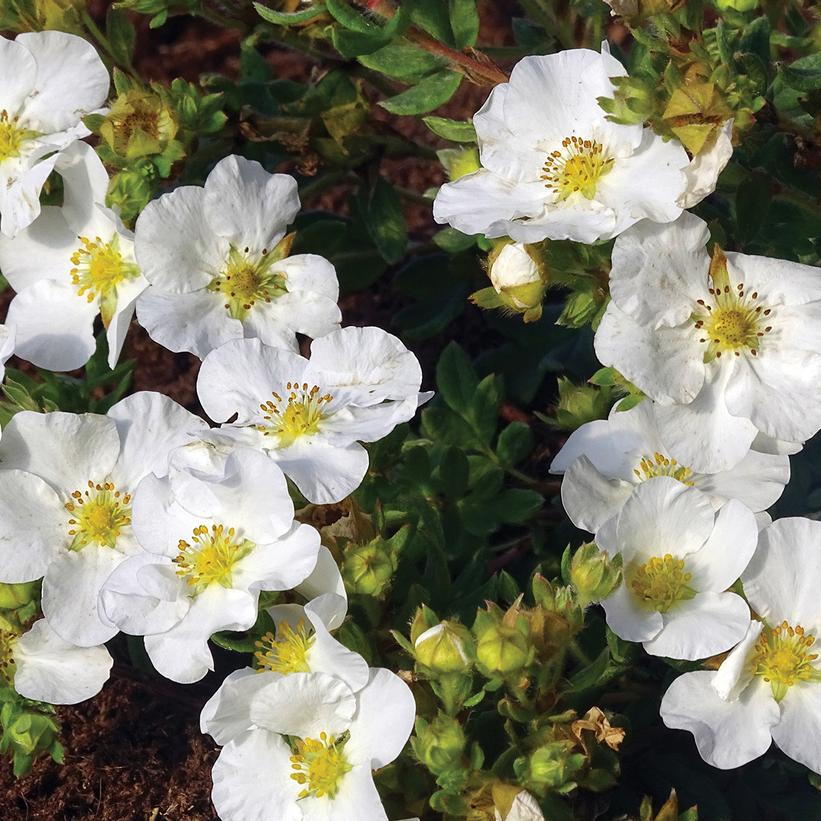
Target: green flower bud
{"points": [[445, 648], [552, 766], [593, 574], [368, 568], [502, 644], [736, 5], [519, 278], [423, 619], [459, 162], [440, 743], [578, 404]]}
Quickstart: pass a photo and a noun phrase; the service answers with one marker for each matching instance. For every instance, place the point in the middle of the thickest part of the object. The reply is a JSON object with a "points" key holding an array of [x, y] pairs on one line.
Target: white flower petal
{"points": [[32, 526], [701, 627], [309, 272], [589, 498], [727, 733], [758, 480], [53, 325], [176, 248], [66, 449], [783, 579], [798, 731], [19, 71], [659, 271], [158, 520], [51, 670], [325, 578], [239, 375], [703, 171], [182, 653], [197, 322], [71, 591], [664, 516], [627, 619], [252, 780], [735, 672], [778, 281], [226, 715], [384, 719], [357, 798], [20, 196], [324, 474], [280, 565], [304, 312], [727, 552], [248, 206], [71, 80], [304, 705]]}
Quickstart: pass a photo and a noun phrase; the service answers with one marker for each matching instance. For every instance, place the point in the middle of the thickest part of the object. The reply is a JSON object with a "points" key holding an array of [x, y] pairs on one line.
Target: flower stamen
{"points": [[12, 136], [782, 657], [212, 556], [576, 168], [661, 583], [98, 515], [287, 652], [305, 408], [319, 764], [246, 281], [661, 465]]}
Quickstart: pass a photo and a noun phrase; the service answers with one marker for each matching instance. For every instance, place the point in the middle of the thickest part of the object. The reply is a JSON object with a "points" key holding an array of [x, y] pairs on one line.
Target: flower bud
{"points": [[368, 568], [440, 743], [518, 278], [502, 644], [139, 124], [458, 162], [445, 648], [551, 766], [578, 404], [593, 574]]}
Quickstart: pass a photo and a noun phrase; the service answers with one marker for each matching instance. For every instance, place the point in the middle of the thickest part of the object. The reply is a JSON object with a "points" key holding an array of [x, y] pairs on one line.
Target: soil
{"points": [[135, 752]]}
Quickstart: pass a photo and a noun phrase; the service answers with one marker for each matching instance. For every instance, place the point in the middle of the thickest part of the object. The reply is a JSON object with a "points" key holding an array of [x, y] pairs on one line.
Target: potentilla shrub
{"points": [[494, 483]]}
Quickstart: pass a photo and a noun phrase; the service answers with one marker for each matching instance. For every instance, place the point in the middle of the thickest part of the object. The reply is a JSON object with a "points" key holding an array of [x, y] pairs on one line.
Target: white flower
{"points": [[7, 343], [553, 165], [50, 81], [679, 557], [210, 542], [70, 265], [603, 461], [769, 688], [703, 171], [311, 415], [43, 667], [313, 749], [217, 260], [302, 644], [735, 341], [65, 501]]}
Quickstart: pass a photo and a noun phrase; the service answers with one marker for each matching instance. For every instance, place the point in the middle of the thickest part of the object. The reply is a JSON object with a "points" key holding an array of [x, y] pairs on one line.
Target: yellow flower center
{"points": [[99, 268], [320, 765], [287, 652], [212, 556], [246, 281], [98, 515], [303, 411], [661, 465], [661, 583], [782, 657], [7, 667], [576, 168], [12, 136], [734, 323]]}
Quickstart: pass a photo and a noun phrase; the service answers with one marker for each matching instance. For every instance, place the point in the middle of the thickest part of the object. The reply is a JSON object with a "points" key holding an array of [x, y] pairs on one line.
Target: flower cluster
{"points": [[146, 519], [722, 352]]}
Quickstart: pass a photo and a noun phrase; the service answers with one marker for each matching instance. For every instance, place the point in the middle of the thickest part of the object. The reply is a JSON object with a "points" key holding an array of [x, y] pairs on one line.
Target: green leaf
{"points": [[457, 131], [356, 43], [589, 676], [456, 379], [349, 17], [426, 95], [804, 74], [484, 411], [432, 16], [752, 203], [515, 443], [382, 212], [281, 18], [402, 61], [121, 35], [518, 505], [453, 472], [464, 20]]}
